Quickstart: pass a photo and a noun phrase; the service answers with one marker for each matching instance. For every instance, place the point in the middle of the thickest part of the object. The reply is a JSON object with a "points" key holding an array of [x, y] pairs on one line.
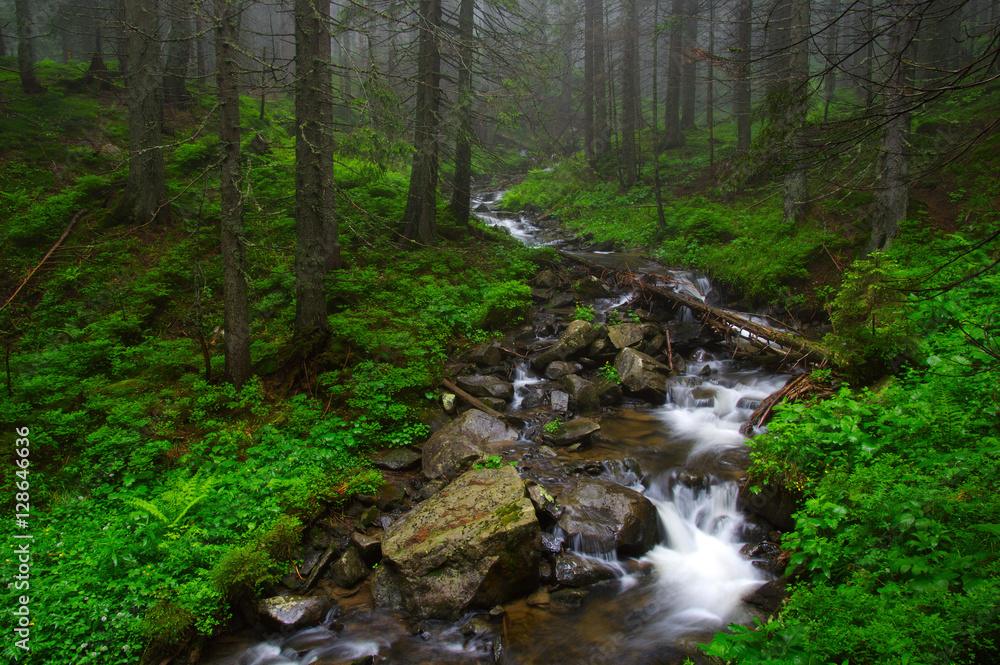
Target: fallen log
{"points": [[796, 389], [796, 346], [472, 400]]}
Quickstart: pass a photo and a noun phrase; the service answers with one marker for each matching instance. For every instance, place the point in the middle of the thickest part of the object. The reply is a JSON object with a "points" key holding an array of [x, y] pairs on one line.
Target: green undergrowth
{"points": [[745, 243], [161, 497], [896, 552]]}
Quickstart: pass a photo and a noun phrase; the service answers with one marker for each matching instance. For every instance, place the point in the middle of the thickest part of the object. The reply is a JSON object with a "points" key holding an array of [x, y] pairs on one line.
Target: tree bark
{"points": [[314, 190], [630, 94], [175, 76], [672, 136], [462, 186], [589, 74], [742, 92], [833, 55], [236, 305], [689, 66], [602, 130], [893, 196], [26, 49], [796, 191], [420, 215], [145, 189]]}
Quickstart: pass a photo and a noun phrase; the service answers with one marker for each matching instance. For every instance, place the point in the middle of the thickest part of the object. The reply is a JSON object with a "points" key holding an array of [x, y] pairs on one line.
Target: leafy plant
{"points": [[584, 313]]}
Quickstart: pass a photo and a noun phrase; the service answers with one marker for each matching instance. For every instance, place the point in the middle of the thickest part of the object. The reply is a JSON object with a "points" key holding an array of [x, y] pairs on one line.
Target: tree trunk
{"points": [[314, 214], [200, 51], [868, 81], [672, 136], [689, 66], [710, 93], [462, 186], [98, 69], [145, 189], [798, 90], [742, 93], [833, 56], [175, 75], [589, 75], [26, 49], [602, 130], [893, 196], [630, 94], [236, 304], [420, 215]]}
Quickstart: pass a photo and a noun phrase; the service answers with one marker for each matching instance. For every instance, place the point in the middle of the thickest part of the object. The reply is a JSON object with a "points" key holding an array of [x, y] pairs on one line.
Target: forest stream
{"points": [[686, 456]]}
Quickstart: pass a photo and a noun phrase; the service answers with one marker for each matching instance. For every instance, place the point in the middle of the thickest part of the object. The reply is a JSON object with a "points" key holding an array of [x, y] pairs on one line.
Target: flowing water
{"points": [[685, 456]]}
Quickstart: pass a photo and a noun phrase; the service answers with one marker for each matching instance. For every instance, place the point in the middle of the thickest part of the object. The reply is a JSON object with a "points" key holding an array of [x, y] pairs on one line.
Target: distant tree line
{"points": [[620, 81]]}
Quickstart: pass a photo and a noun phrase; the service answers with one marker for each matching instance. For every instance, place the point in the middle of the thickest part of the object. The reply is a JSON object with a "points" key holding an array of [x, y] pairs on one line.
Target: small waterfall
{"points": [[523, 377], [702, 576], [709, 411], [691, 284]]}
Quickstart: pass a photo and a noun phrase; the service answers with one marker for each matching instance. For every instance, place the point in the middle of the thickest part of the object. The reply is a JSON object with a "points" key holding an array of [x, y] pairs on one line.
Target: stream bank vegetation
{"points": [[163, 498], [894, 557]]}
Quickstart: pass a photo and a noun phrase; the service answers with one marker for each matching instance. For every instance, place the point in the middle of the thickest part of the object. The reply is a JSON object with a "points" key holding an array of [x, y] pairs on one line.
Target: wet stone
{"points": [[483, 385], [560, 368], [574, 570], [395, 459], [292, 612], [591, 288], [568, 597], [625, 334], [545, 505], [605, 517], [559, 401], [485, 354], [368, 547], [552, 544], [430, 488], [349, 569], [390, 495], [583, 391], [547, 279], [539, 597], [573, 431]]}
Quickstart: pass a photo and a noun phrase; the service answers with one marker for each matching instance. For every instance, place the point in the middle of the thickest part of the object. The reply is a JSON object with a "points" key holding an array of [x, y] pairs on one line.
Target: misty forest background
{"points": [[298, 175]]}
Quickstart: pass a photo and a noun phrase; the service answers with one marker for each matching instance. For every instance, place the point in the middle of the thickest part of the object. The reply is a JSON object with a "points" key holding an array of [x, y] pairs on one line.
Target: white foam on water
{"points": [[702, 577]]}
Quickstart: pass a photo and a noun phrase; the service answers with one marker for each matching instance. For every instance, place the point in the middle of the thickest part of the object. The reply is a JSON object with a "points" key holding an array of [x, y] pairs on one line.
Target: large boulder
{"points": [[608, 392], [293, 612], [625, 334], [686, 336], [473, 545], [603, 517], [395, 459], [484, 385], [574, 570], [591, 288], [583, 391], [349, 569], [463, 440], [641, 375], [561, 368], [577, 336], [484, 353], [573, 431]]}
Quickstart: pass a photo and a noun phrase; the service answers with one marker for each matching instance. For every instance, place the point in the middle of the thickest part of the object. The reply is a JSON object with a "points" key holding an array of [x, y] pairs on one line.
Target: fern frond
{"points": [[149, 508]]}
